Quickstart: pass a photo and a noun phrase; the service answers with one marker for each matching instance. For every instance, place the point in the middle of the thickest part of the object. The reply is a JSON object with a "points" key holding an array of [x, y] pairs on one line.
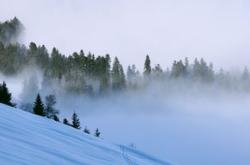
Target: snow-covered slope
{"points": [[29, 139]]}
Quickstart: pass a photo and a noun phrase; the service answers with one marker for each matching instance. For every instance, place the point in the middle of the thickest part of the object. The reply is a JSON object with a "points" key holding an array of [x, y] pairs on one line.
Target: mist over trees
{"points": [[10, 31], [50, 110], [92, 75]]}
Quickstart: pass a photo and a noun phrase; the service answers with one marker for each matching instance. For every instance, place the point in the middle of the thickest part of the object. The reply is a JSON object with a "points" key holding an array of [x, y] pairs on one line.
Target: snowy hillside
{"points": [[29, 139]]}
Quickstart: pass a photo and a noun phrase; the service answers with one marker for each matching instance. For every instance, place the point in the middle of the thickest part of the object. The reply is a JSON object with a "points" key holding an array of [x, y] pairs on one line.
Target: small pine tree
{"points": [[50, 102], [86, 130], [147, 66], [38, 108], [5, 95], [97, 133], [75, 121], [65, 121], [56, 118]]}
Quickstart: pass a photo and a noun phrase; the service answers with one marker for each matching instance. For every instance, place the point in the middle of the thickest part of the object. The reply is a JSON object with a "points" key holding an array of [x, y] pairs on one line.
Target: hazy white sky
{"points": [[218, 30]]}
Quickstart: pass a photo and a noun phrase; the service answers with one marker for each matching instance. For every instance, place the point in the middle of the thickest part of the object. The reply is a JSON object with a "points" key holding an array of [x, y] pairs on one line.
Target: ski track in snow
{"points": [[126, 157]]}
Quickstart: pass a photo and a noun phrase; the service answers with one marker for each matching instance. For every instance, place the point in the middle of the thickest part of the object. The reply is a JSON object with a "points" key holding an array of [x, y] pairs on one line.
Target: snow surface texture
{"points": [[29, 139]]}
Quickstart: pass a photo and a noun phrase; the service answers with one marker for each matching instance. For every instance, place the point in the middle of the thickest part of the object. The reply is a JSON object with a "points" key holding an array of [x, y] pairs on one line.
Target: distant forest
{"points": [[87, 73]]}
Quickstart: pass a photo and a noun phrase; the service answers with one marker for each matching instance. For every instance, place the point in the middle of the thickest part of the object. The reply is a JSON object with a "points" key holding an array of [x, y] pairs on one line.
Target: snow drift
{"points": [[29, 139]]}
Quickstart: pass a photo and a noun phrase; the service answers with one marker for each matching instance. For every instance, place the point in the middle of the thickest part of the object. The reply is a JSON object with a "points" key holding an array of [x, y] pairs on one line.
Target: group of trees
{"points": [[199, 70], [90, 74], [48, 109], [77, 72], [10, 30], [96, 75], [51, 112], [77, 125]]}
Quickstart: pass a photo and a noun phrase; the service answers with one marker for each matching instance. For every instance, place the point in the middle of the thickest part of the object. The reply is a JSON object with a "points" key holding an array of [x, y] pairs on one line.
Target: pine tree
{"points": [[38, 108], [118, 76], [104, 73], [115, 74], [10, 31], [157, 71], [178, 69], [50, 111], [147, 66], [56, 118], [86, 130], [122, 78], [5, 95], [196, 69], [129, 72], [57, 64], [65, 121], [75, 121], [210, 76], [97, 133], [132, 76], [187, 69]]}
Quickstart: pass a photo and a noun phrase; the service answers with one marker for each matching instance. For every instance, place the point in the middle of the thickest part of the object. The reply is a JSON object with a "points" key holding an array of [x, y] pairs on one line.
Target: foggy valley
{"points": [[167, 78]]}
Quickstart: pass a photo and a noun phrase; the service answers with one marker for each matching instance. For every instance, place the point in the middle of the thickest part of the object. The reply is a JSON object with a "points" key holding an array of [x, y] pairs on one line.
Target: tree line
{"points": [[89, 74]]}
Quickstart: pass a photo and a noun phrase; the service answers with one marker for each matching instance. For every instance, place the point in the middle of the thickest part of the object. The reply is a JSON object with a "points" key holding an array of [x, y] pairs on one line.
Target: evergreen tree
{"points": [[75, 121], [103, 72], [65, 121], [10, 31], [5, 95], [178, 69], [11, 59], [186, 62], [203, 70], [122, 78], [210, 74], [56, 118], [86, 130], [38, 108], [118, 76], [57, 64], [32, 53], [50, 102], [129, 72], [147, 66], [107, 71], [97, 133], [42, 58], [187, 67], [196, 69], [132, 76], [157, 71]]}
